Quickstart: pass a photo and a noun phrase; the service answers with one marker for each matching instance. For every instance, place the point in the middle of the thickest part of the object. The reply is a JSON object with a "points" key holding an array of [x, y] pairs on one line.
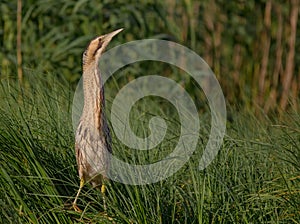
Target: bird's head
{"points": [[96, 47]]}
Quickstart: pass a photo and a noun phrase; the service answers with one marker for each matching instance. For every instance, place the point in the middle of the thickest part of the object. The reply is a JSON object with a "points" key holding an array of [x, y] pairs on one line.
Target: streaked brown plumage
{"points": [[92, 139]]}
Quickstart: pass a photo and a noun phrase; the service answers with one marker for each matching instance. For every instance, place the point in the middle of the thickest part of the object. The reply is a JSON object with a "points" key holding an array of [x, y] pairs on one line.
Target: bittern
{"points": [[92, 138]]}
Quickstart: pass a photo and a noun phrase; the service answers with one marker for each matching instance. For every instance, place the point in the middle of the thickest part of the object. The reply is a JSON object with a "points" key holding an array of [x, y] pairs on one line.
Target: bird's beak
{"points": [[109, 36]]}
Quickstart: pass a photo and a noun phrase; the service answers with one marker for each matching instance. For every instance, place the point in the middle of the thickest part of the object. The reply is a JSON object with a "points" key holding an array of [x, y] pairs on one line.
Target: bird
{"points": [[92, 137]]}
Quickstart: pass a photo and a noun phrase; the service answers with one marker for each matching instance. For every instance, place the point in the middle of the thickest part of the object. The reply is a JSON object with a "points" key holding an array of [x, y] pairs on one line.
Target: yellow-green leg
{"points": [[103, 189], [76, 208]]}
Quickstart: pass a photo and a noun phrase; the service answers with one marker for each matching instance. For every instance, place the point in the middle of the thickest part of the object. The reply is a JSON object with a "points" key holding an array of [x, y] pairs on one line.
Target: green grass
{"points": [[232, 37], [255, 178]]}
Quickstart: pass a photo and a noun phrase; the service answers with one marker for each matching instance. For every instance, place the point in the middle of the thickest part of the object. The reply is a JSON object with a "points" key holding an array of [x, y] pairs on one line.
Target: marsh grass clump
{"points": [[254, 178]]}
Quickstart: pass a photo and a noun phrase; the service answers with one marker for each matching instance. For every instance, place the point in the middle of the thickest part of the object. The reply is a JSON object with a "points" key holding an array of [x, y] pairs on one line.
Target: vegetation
{"points": [[254, 179], [250, 45]]}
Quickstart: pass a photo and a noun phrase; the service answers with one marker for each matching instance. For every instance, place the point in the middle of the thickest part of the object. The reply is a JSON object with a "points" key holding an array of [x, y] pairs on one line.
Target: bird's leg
{"points": [[76, 208], [103, 189], [103, 196]]}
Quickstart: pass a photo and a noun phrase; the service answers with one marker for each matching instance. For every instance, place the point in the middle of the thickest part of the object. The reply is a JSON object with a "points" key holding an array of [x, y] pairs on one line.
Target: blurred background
{"points": [[250, 45]]}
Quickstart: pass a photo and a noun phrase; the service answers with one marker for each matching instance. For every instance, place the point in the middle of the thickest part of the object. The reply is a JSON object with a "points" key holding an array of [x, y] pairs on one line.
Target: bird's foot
{"points": [[104, 214], [76, 208]]}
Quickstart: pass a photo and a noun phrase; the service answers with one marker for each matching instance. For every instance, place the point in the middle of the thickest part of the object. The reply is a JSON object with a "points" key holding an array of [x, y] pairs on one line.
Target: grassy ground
{"points": [[254, 179]]}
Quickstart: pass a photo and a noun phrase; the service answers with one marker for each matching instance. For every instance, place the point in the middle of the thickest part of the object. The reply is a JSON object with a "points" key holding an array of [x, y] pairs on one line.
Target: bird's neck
{"points": [[94, 101]]}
